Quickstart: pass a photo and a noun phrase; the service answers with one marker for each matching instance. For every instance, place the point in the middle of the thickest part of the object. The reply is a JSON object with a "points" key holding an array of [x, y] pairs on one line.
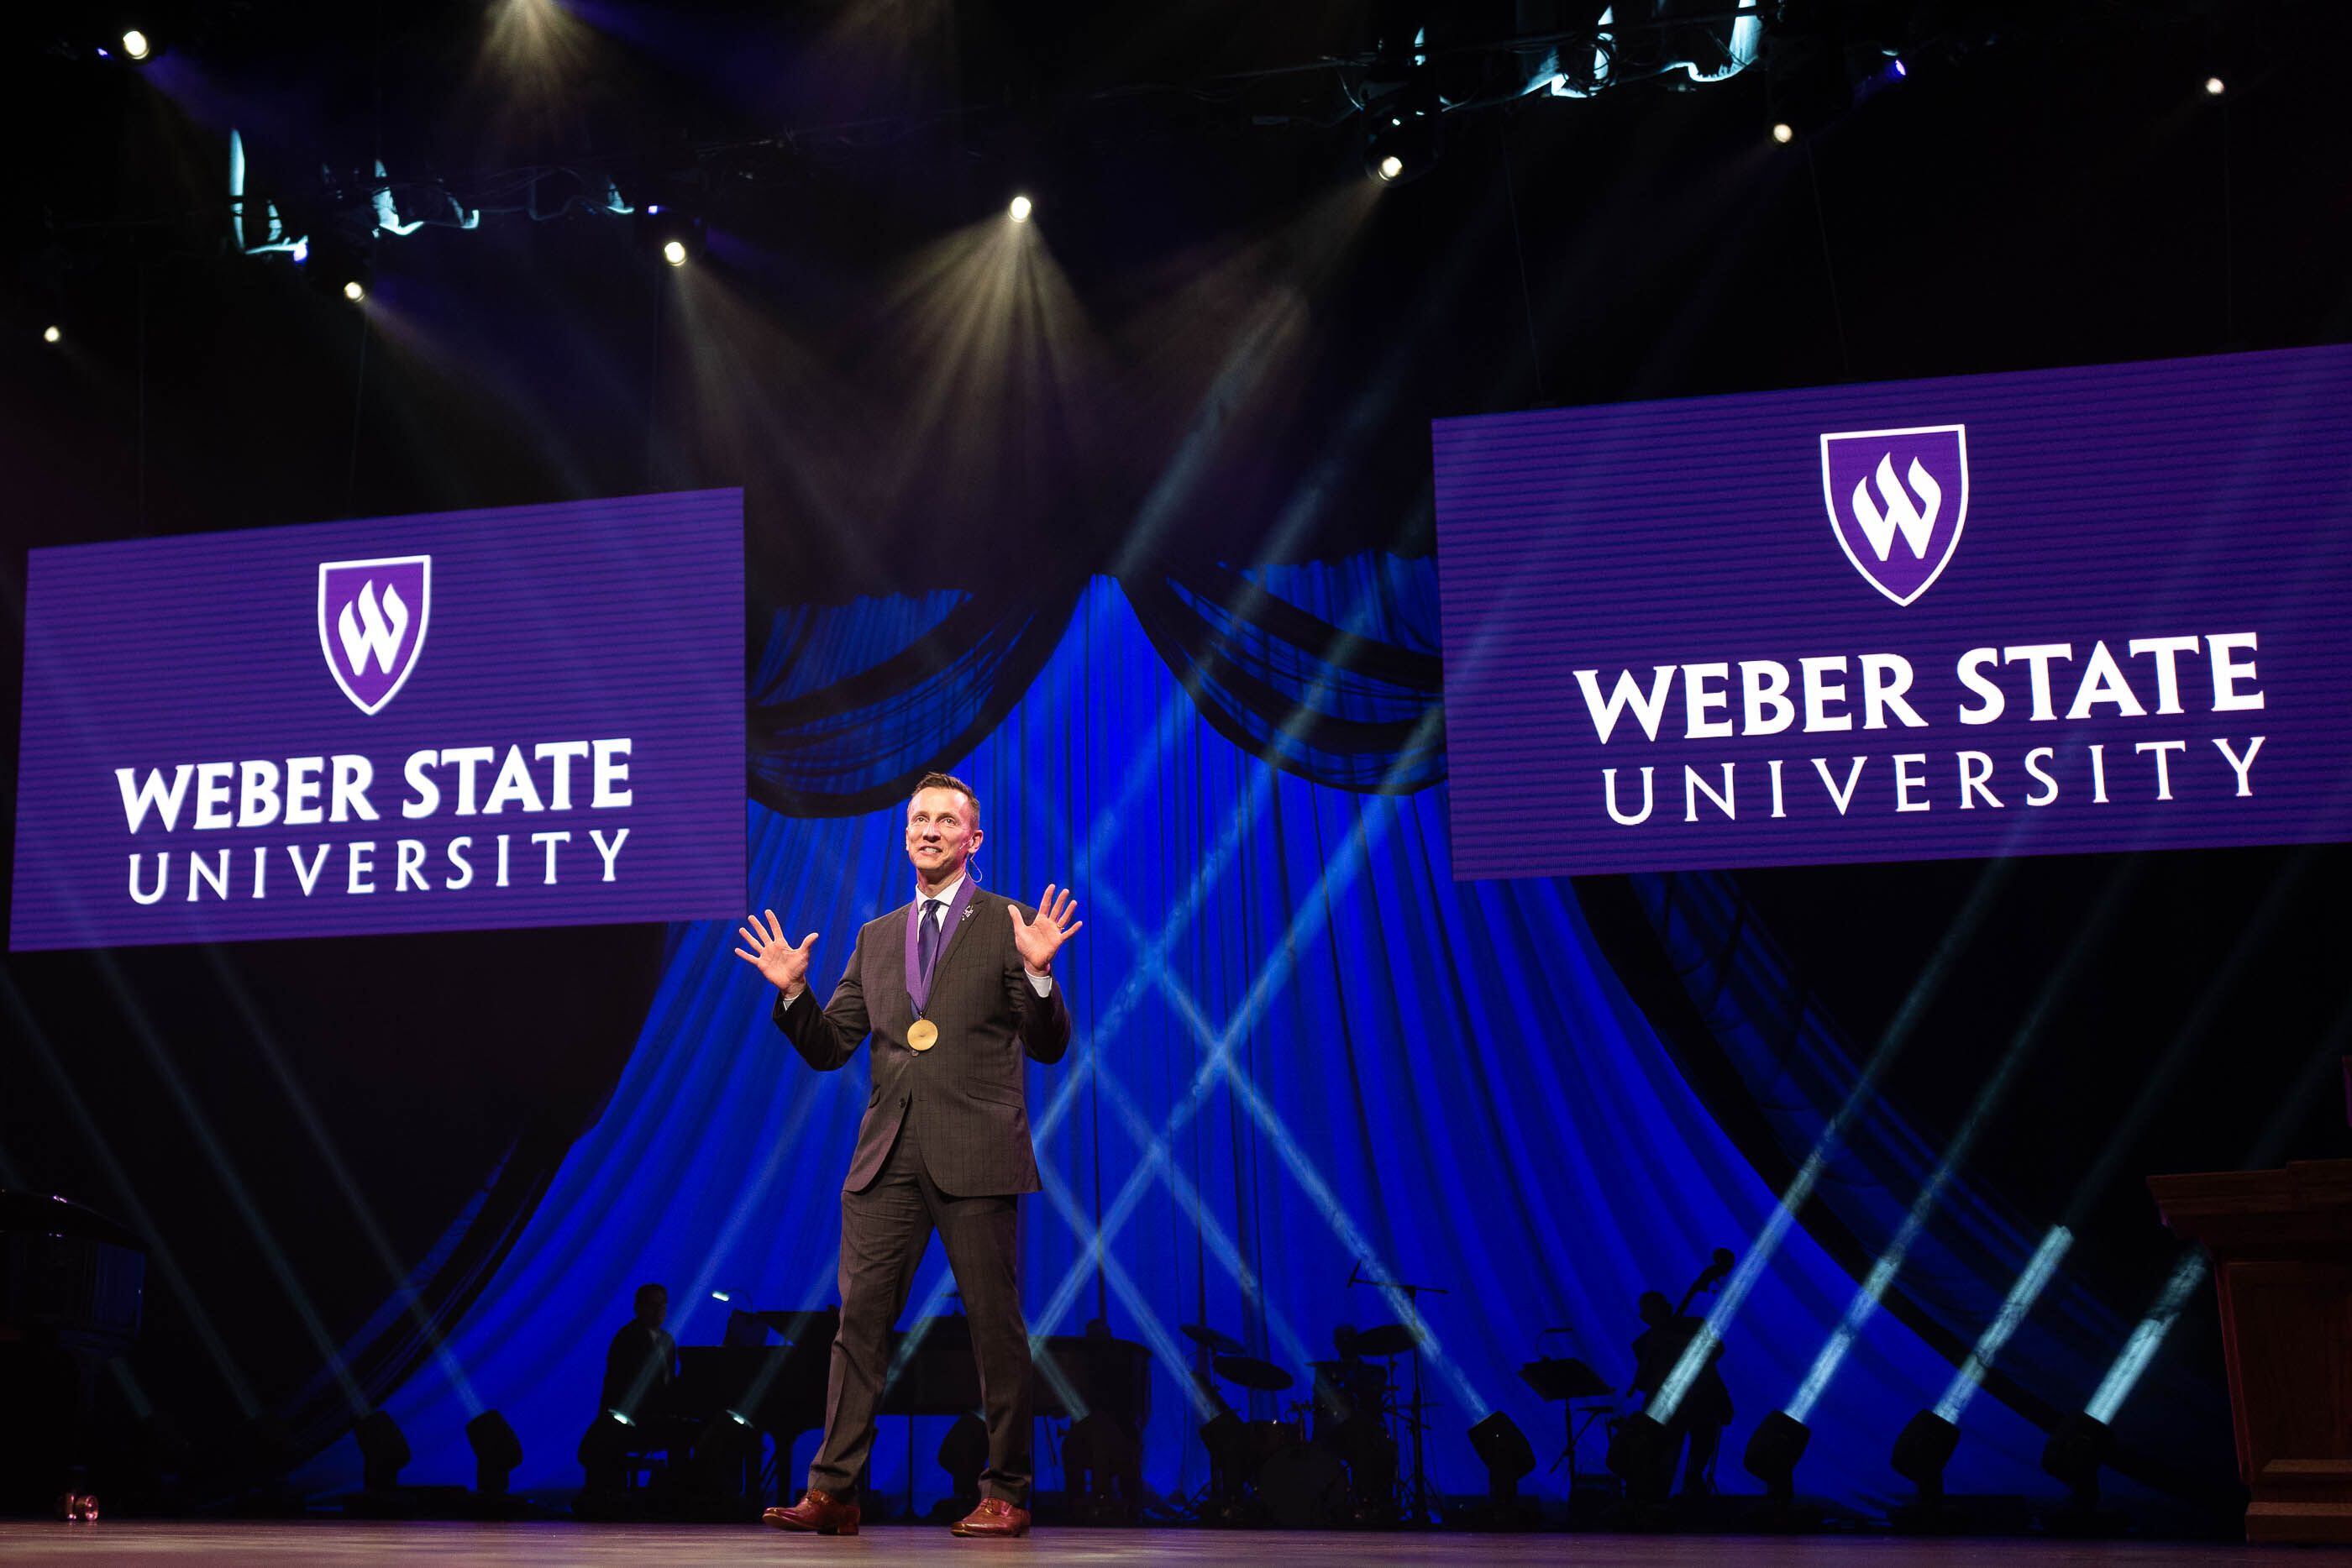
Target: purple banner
{"points": [[2049, 612], [466, 721]]}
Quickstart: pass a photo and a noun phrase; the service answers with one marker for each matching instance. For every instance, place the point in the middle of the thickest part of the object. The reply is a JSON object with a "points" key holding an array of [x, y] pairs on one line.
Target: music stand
{"points": [[1570, 1381]]}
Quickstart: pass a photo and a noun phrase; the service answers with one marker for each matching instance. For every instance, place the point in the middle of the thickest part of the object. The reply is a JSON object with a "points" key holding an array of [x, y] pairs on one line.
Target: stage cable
{"points": [[2229, 243], [1519, 249], [1829, 262], [139, 460], [358, 378], [653, 377], [359, 407]]}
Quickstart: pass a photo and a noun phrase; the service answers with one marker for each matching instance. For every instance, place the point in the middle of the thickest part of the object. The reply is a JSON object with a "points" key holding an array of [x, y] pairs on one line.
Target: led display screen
{"points": [[472, 720], [2089, 610]]}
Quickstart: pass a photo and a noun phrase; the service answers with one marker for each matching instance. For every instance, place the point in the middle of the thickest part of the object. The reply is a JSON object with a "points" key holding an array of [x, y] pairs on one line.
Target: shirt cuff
{"points": [[1040, 984], [789, 997]]}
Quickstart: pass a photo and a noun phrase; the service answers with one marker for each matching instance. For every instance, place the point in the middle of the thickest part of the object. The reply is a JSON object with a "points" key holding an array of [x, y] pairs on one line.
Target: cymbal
{"points": [[1252, 1373], [1215, 1340], [1388, 1339]]}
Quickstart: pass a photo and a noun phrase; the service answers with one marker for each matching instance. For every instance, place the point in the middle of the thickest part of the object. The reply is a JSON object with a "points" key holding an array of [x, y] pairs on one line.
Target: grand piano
{"points": [[780, 1387]]}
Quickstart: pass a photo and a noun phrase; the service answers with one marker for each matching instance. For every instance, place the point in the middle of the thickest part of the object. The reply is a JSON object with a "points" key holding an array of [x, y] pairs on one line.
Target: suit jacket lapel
{"points": [[894, 964]]}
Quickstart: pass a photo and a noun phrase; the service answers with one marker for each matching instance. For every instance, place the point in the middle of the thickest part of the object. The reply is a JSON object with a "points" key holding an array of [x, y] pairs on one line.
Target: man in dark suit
{"points": [[954, 988], [641, 1362]]}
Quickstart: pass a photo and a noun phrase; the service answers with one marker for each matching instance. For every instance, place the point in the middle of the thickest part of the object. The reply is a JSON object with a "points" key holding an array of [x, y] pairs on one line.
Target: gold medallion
{"points": [[922, 1034]]}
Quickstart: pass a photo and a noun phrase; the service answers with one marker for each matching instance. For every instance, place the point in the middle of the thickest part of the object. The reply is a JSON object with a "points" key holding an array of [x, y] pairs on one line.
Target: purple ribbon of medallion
{"points": [[918, 985]]}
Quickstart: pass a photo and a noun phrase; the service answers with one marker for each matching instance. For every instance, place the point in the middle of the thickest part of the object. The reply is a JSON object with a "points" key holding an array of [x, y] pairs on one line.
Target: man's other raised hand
{"points": [[1039, 939], [780, 962]]}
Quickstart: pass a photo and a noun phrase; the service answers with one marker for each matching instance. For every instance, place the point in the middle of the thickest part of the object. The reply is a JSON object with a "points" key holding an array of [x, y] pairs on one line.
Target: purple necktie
{"points": [[927, 941]]}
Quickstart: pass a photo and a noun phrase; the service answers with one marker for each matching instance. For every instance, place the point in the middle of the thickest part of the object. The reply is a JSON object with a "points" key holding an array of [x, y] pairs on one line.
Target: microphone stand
{"points": [[1413, 1294]]}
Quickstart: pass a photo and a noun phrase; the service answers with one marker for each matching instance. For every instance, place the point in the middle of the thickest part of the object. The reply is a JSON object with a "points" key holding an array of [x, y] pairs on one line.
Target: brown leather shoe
{"points": [[994, 1516], [821, 1512]]}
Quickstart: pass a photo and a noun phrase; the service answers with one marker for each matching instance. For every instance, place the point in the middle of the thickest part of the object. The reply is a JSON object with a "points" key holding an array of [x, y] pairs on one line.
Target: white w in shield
{"points": [[372, 638], [369, 628], [1899, 513]]}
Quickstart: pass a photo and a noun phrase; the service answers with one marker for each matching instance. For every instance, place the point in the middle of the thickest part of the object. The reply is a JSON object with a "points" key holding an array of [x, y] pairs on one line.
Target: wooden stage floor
{"points": [[335, 1544]]}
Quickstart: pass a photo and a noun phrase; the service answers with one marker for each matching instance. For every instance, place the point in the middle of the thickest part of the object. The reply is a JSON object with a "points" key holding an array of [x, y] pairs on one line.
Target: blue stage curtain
{"points": [[1344, 706], [848, 712], [1303, 1051]]}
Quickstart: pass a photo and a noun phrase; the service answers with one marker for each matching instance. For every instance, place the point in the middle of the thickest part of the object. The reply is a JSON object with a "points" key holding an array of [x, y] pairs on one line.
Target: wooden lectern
{"points": [[2281, 1247]]}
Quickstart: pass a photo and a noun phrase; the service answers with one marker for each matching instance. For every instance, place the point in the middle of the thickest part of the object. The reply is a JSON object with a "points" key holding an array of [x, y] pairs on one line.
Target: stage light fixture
{"points": [[1922, 1451], [1772, 1452], [383, 1450], [52, 334], [1874, 73], [1505, 1452], [135, 45], [496, 1451], [1783, 133], [2215, 86], [1402, 141], [1019, 209], [338, 266], [602, 1447], [2077, 1451], [725, 1456], [1642, 1454], [671, 231]]}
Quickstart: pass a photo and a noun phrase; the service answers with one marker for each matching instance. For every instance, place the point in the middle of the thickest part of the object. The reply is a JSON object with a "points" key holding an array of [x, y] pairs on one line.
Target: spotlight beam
{"points": [[2029, 1284], [1219, 1242], [370, 1230], [1970, 1375], [1218, 1068], [1799, 1189], [1989, 1098], [143, 1029], [2193, 1028], [2188, 1270]]}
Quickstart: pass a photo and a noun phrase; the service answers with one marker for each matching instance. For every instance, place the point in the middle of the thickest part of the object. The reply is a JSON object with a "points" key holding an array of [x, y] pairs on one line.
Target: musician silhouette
{"points": [[1706, 1408]]}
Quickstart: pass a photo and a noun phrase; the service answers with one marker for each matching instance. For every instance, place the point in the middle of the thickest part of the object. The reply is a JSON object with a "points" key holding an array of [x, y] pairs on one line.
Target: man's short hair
{"points": [[647, 1292], [947, 781]]}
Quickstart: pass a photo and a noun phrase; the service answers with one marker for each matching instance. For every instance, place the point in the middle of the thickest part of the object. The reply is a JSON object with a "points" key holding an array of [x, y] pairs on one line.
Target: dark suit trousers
{"points": [[883, 1232]]}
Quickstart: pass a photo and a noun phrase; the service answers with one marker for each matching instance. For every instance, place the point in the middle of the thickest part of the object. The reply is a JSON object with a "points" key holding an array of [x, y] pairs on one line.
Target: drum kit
{"points": [[1330, 1460]]}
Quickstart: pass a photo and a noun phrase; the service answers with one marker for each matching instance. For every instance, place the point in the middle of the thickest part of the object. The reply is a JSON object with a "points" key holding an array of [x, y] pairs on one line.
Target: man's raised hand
{"points": [[780, 962], [1041, 938]]}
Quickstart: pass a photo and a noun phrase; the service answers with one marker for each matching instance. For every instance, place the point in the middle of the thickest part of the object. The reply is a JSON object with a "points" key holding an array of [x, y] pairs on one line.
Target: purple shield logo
{"points": [[372, 618], [1897, 500]]}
